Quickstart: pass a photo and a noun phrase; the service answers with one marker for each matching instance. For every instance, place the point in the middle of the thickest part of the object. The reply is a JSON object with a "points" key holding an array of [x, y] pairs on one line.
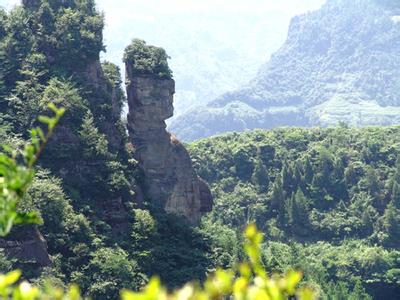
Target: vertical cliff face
{"points": [[169, 178], [87, 151]]}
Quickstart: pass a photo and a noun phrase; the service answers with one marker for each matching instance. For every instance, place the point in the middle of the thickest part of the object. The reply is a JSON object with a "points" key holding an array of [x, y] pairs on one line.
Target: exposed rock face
{"points": [[64, 156], [95, 78], [169, 178], [27, 245]]}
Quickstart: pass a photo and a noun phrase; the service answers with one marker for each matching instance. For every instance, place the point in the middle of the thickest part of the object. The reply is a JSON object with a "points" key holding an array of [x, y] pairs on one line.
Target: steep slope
{"points": [[169, 178], [340, 63], [50, 53], [98, 230]]}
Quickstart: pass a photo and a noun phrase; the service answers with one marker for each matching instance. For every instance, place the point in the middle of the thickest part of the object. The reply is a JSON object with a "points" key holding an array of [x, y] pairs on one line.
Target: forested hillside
{"points": [[339, 64], [87, 186], [327, 200]]}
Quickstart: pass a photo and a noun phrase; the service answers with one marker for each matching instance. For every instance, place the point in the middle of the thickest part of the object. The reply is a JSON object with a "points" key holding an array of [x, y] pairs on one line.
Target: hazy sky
{"points": [[126, 19], [149, 9]]}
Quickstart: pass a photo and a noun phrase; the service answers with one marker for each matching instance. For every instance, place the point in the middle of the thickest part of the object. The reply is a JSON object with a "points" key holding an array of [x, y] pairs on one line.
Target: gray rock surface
{"points": [[170, 181], [27, 245]]}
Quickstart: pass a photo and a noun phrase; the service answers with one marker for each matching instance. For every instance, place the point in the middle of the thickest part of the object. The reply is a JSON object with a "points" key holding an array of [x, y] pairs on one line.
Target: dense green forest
{"points": [[328, 200]]}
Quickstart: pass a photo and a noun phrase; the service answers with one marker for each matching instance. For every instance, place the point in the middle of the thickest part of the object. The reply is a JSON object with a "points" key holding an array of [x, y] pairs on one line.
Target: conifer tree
{"points": [[308, 171], [350, 175], [296, 212], [372, 181], [24, 102], [260, 176], [301, 213], [338, 169], [297, 176], [391, 224], [396, 195], [95, 143], [287, 177], [340, 189], [359, 292], [290, 212], [396, 177], [325, 173], [367, 222], [278, 199]]}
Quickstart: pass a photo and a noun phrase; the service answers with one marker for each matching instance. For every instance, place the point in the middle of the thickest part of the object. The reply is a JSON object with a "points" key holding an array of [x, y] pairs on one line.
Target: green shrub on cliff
{"points": [[147, 60]]}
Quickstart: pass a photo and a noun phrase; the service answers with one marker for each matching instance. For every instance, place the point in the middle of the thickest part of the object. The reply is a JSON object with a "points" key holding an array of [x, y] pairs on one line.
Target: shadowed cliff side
{"points": [[27, 245], [95, 187], [169, 178]]}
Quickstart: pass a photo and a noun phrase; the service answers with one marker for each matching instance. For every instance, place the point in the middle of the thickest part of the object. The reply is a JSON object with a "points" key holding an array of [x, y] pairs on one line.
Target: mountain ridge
{"points": [[328, 71]]}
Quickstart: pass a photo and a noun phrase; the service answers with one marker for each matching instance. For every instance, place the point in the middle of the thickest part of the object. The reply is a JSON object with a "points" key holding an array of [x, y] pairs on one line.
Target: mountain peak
{"points": [[340, 63]]}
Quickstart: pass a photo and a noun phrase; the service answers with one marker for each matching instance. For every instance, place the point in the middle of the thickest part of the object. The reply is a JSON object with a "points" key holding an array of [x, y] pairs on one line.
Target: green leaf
{"points": [[28, 218], [45, 120]]}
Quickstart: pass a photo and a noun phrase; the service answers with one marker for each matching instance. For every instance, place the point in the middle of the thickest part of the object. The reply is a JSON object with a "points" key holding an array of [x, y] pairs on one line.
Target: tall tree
{"points": [[372, 181], [287, 177], [278, 199], [296, 213], [391, 224], [396, 195], [260, 176], [297, 175], [308, 171]]}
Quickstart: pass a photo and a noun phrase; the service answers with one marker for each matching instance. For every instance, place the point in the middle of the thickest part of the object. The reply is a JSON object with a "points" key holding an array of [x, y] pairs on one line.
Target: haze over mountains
{"points": [[122, 202], [215, 46], [340, 63]]}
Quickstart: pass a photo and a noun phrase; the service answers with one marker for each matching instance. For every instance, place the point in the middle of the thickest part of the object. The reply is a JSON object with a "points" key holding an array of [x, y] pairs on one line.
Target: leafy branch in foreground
{"points": [[26, 291], [250, 281], [17, 172]]}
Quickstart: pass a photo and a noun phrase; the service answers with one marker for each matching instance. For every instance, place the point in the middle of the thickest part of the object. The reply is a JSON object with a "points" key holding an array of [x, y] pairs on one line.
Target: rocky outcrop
{"points": [[104, 95], [27, 245], [169, 178]]}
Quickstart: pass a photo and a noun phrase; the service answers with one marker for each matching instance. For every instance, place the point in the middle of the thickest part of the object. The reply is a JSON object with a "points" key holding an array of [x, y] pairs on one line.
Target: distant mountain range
{"points": [[340, 63], [204, 49]]}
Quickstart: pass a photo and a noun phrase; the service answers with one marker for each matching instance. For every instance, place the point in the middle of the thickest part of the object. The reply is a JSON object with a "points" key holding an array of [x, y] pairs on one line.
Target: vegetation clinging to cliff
{"points": [[84, 207], [147, 60], [252, 281], [86, 186]]}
